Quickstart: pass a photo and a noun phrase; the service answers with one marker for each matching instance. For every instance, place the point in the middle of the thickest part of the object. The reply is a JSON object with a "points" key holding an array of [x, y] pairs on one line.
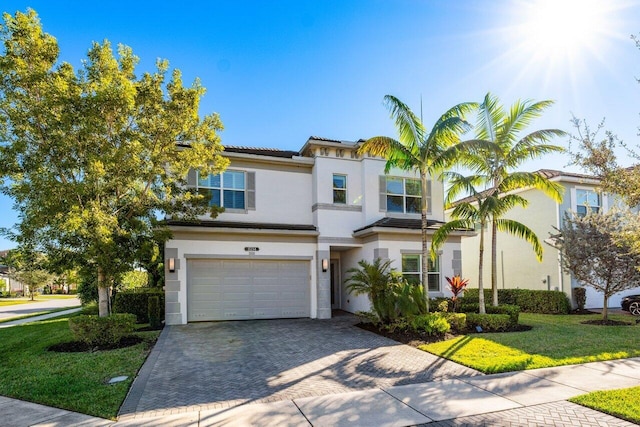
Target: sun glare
{"points": [[554, 28]]}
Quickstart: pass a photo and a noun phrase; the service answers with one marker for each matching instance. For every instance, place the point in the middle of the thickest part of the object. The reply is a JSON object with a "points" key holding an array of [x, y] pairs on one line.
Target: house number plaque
{"points": [[251, 248]]}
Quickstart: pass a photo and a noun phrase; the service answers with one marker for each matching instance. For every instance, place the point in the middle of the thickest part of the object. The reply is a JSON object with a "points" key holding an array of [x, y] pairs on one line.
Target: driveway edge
{"points": [[140, 382]]}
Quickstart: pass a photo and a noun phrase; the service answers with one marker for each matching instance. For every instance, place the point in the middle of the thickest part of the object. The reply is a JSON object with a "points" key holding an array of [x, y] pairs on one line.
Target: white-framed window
{"points": [[340, 189], [402, 195], [227, 190], [587, 201], [411, 271]]}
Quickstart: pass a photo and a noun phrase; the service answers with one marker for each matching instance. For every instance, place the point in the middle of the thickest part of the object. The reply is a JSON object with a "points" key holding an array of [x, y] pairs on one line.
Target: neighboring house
{"points": [[294, 223], [516, 262]]}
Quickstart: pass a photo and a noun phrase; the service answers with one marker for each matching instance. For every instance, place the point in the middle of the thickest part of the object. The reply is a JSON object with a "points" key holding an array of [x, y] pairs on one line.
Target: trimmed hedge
{"points": [[458, 321], [513, 311], [137, 302], [489, 322], [101, 331], [431, 324], [529, 301]]}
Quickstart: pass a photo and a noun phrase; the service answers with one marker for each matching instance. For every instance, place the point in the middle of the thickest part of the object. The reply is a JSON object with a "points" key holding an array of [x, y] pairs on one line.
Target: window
{"points": [[403, 195], [587, 201], [340, 189], [411, 271], [226, 190]]}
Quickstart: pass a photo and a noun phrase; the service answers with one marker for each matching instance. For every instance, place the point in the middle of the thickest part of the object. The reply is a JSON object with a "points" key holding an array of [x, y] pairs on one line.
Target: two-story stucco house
{"points": [[294, 223], [516, 262]]}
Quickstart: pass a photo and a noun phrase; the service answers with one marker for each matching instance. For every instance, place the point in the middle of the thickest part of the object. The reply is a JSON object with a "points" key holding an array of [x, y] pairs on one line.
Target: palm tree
{"points": [[417, 149], [474, 210], [494, 167], [374, 281]]}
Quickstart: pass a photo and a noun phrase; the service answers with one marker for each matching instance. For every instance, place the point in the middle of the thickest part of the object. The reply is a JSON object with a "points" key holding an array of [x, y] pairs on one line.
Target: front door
{"points": [[335, 284]]}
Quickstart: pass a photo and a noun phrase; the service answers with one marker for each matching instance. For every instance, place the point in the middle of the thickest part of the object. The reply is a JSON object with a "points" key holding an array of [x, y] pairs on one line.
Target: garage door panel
{"points": [[247, 289]]}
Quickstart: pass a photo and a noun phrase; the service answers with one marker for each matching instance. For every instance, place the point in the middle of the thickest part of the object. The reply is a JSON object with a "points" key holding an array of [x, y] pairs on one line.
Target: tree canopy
{"points": [[93, 157]]}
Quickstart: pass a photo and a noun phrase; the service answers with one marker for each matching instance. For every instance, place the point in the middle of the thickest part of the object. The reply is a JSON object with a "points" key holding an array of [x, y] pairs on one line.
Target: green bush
{"points": [[513, 311], [101, 331], [489, 322], [432, 324], [91, 308], [529, 301], [153, 312], [458, 321], [137, 302]]}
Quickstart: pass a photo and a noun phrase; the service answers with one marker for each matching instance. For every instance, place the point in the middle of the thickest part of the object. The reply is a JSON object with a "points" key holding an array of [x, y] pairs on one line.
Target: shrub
{"points": [[458, 321], [529, 301], [431, 324], [580, 295], [91, 308], [154, 312], [513, 311], [489, 322], [456, 285], [441, 304], [101, 331], [137, 302]]}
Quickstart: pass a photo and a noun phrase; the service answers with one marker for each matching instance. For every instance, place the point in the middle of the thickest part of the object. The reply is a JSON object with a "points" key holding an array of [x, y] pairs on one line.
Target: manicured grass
{"points": [[55, 296], [554, 340], [73, 381], [622, 403], [11, 301], [39, 313]]}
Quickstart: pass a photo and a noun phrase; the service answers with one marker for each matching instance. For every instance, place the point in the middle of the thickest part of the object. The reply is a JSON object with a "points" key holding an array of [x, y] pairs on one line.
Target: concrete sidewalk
{"points": [[38, 318], [18, 310], [534, 397]]}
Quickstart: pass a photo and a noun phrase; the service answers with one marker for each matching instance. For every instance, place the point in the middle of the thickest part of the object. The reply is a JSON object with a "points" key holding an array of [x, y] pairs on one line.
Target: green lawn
{"points": [[622, 403], [73, 381], [5, 302], [554, 340], [54, 296]]}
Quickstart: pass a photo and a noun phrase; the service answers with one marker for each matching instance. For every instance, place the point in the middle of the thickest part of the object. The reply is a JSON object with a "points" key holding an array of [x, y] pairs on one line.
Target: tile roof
{"points": [[260, 151], [407, 223], [244, 225]]}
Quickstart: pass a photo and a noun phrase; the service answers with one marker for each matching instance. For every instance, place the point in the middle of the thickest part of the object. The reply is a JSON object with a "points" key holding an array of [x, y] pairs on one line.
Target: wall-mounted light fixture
{"points": [[325, 265], [172, 265]]}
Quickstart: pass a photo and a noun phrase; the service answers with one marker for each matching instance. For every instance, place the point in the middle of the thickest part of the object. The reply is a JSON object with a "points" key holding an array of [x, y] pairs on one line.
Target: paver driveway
{"points": [[217, 364]]}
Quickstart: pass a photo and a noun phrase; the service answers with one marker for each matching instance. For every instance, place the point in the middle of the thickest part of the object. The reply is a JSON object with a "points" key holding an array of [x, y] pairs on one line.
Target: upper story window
{"points": [[403, 195], [227, 190], [340, 189], [411, 271], [587, 201]]}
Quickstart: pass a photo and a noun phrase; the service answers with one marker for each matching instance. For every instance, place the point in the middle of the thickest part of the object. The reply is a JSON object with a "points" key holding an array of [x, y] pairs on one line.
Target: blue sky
{"points": [[278, 72]]}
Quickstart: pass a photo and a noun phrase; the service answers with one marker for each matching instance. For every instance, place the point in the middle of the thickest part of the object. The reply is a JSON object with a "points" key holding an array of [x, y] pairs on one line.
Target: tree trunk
{"points": [[423, 215], [103, 294], [480, 272], [605, 308], [494, 262]]}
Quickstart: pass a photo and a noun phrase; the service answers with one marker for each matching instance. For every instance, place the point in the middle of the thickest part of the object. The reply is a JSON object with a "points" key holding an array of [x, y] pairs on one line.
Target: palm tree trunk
{"points": [[494, 262], [423, 229], [480, 272]]}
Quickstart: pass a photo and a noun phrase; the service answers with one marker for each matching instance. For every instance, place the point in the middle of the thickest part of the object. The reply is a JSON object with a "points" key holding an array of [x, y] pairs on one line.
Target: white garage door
{"points": [[595, 299], [247, 289]]}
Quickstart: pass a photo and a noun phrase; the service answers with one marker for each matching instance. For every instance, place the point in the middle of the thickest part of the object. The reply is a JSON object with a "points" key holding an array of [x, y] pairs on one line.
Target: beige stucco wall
{"points": [[517, 265]]}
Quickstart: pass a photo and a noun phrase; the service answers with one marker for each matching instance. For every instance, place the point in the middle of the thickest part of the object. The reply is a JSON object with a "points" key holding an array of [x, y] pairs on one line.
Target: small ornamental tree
{"points": [[456, 285], [594, 252], [93, 157]]}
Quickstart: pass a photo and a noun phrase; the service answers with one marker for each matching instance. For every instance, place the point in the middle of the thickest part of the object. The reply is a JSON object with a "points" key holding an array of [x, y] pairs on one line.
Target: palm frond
{"points": [[521, 231], [490, 113], [410, 128], [441, 234], [518, 180], [397, 154]]}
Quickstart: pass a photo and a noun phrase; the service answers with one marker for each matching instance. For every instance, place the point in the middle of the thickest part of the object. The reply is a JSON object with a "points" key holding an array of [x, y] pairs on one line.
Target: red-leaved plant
{"points": [[456, 286]]}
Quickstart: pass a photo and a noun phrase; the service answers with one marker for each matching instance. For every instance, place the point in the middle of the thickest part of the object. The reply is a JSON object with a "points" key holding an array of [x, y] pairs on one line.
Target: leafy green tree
{"points": [[416, 149], [373, 280], [494, 167], [92, 157], [597, 255]]}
